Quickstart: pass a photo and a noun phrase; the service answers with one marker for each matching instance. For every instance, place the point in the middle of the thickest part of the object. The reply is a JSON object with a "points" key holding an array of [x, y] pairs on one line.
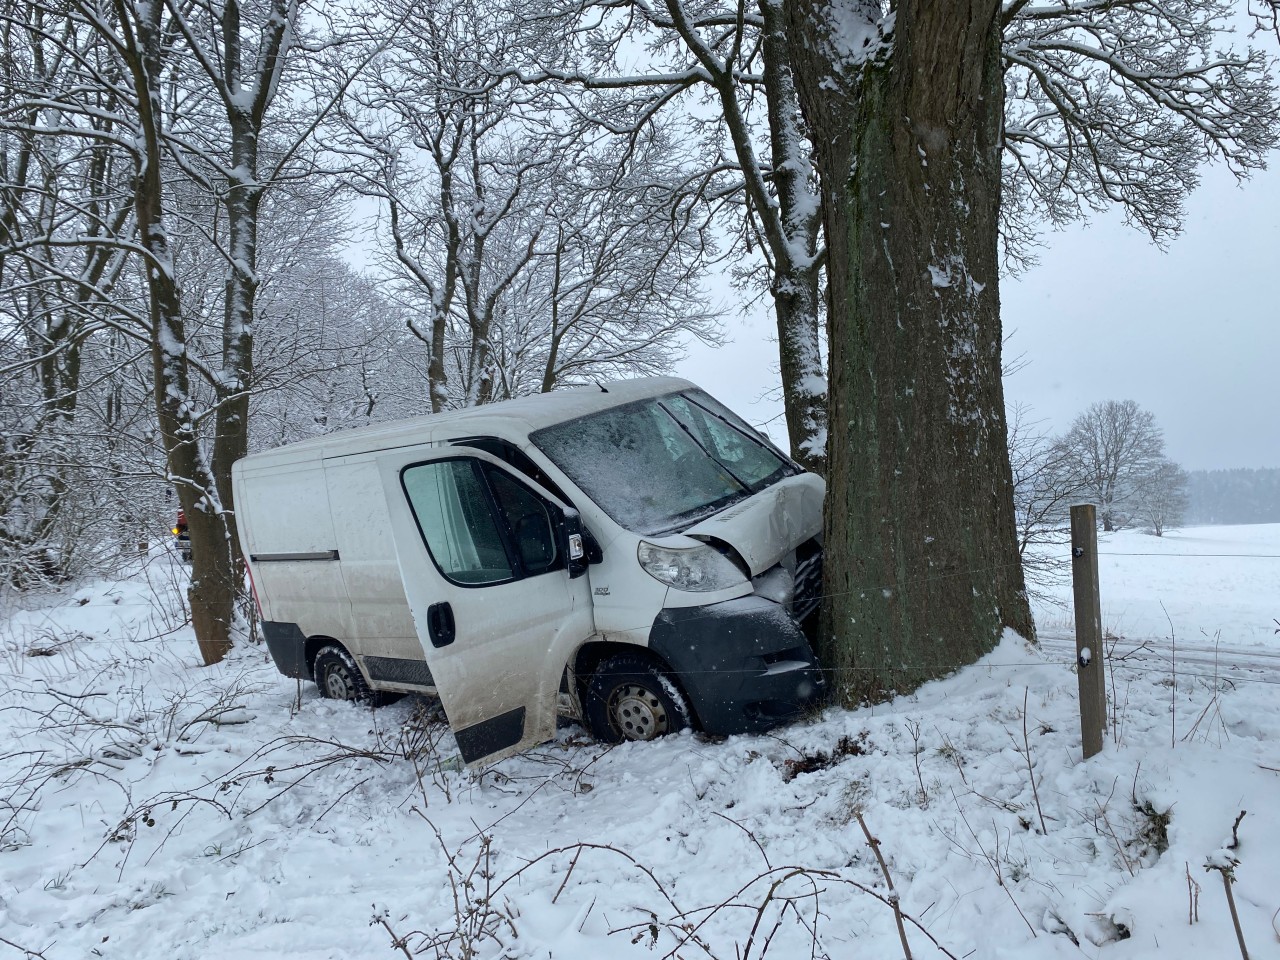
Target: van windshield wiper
{"points": [[783, 463], [746, 487]]}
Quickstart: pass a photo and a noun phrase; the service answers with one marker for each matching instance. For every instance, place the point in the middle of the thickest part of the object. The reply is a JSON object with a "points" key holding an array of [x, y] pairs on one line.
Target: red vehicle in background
{"points": [[181, 536]]}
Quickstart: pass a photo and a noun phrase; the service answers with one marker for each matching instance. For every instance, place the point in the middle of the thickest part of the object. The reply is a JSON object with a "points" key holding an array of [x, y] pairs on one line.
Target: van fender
{"points": [[600, 648]]}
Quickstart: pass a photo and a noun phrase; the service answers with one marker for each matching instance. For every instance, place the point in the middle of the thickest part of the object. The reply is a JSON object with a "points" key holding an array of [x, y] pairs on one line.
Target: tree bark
{"points": [[795, 251], [921, 550], [212, 594], [246, 99], [243, 198], [804, 381]]}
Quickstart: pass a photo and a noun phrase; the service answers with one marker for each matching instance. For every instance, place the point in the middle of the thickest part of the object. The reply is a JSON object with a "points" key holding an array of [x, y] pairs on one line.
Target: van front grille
{"points": [[808, 579]]}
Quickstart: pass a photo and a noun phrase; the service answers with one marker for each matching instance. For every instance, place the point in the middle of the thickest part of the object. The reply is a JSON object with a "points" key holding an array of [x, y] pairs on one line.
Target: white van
{"points": [[632, 554]]}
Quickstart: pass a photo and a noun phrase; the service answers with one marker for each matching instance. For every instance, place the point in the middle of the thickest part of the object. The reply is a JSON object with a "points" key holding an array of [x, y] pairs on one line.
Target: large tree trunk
{"points": [[246, 100], [212, 591], [922, 560]]}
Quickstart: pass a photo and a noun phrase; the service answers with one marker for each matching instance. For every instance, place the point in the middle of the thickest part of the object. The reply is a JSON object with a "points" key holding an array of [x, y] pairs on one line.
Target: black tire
{"points": [[338, 677], [629, 697]]}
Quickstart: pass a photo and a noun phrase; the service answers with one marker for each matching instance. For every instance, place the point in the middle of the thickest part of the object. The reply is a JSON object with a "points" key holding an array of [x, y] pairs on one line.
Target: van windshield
{"points": [[659, 465]]}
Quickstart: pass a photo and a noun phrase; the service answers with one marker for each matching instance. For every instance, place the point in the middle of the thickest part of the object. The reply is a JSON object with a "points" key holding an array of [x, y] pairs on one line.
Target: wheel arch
{"points": [[593, 653], [317, 643]]}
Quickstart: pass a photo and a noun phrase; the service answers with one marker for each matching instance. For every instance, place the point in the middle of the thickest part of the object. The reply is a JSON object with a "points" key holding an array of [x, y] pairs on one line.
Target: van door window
{"points": [[532, 529], [449, 501], [513, 456], [481, 526]]}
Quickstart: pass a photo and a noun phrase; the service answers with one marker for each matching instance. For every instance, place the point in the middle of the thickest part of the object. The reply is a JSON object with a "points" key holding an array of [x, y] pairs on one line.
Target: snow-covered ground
{"points": [[1192, 584], [152, 808]]}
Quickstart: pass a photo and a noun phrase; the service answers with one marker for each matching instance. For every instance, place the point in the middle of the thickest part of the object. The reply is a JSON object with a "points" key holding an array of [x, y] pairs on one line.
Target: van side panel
{"points": [[289, 519], [382, 626]]}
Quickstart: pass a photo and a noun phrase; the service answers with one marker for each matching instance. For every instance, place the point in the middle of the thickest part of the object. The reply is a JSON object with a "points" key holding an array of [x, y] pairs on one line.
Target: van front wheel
{"points": [[629, 698], [338, 677]]}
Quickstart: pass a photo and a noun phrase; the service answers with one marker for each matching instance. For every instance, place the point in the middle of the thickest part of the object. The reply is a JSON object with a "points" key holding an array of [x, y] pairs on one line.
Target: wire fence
{"points": [[1251, 556], [1226, 674]]}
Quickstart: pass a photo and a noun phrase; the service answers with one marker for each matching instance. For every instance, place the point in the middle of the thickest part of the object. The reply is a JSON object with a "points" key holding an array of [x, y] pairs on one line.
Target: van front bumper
{"points": [[745, 664]]}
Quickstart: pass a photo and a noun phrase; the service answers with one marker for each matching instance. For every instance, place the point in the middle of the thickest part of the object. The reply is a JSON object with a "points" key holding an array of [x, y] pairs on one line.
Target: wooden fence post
{"points": [[1089, 659]]}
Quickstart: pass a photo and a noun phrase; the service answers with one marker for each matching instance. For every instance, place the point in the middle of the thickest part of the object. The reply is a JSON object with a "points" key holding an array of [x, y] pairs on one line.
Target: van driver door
{"points": [[482, 555]]}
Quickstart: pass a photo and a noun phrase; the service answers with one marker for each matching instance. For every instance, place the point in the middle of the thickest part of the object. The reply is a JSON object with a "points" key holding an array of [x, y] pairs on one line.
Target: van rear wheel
{"points": [[629, 698], [338, 677]]}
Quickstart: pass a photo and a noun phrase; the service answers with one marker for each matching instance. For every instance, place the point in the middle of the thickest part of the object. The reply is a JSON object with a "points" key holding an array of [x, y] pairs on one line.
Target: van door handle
{"points": [[440, 625]]}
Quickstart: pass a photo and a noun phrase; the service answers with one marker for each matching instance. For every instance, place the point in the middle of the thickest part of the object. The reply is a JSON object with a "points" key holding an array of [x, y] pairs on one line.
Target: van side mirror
{"points": [[594, 553], [573, 542]]}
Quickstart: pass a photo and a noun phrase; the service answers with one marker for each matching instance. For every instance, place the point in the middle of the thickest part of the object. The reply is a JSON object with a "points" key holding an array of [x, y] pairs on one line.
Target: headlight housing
{"points": [[697, 569]]}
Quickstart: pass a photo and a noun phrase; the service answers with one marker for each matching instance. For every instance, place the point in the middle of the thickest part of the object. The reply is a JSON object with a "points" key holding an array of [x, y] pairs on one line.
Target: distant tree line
{"points": [[1233, 496]]}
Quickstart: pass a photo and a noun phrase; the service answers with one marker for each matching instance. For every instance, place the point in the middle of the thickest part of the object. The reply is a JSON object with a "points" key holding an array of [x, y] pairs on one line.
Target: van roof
{"points": [[522, 416]]}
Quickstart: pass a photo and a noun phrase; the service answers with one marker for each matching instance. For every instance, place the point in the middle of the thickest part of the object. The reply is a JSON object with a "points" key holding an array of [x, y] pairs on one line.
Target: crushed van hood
{"points": [[766, 527]]}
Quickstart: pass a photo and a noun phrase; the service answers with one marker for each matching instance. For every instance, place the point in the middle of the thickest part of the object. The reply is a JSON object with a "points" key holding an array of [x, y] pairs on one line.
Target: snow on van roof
{"points": [[522, 415]]}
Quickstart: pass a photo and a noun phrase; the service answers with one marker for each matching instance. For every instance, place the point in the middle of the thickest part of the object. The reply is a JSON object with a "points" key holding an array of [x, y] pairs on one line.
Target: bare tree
{"points": [[136, 32], [1045, 484], [922, 565], [59, 200], [1120, 104], [431, 130], [1116, 448], [752, 152], [334, 351], [237, 134], [1097, 111], [178, 95], [615, 290], [533, 258], [1163, 501], [929, 121], [243, 59]]}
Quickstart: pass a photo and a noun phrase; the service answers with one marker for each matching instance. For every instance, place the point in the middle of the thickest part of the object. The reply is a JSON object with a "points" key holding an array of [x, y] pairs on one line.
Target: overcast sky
{"points": [[1190, 333]]}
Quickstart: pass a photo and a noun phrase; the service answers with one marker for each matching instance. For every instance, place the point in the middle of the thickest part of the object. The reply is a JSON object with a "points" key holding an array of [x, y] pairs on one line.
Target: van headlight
{"points": [[697, 569]]}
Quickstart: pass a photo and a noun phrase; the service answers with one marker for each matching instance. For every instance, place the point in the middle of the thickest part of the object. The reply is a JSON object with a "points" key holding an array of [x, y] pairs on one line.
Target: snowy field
{"points": [[1192, 584], [151, 808]]}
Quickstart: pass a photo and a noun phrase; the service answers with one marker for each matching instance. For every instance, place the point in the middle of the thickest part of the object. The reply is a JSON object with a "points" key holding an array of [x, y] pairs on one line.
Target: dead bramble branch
{"points": [[1225, 863]]}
